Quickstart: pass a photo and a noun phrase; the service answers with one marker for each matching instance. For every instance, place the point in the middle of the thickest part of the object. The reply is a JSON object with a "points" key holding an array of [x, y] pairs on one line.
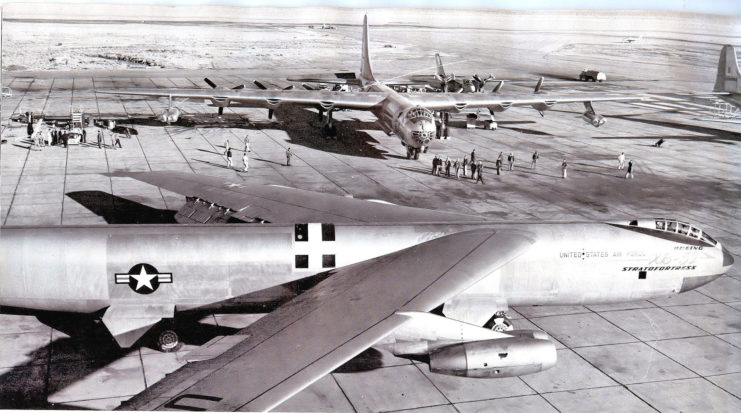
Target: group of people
{"points": [[621, 165], [477, 167], [245, 157], [42, 135]]}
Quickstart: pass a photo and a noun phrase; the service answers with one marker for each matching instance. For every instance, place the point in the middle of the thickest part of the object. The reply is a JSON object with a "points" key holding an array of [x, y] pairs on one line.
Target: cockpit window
{"points": [[683, 228], [694, 232], [419, 112]]}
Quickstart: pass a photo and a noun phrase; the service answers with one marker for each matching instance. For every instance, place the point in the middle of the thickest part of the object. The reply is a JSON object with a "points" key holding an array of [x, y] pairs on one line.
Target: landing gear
{"points": [[412, 153], [442, 127], [168, 341], [329, 130], [500, 322]]}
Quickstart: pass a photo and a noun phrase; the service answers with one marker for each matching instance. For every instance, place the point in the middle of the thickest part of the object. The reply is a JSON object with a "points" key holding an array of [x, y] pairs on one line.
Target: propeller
{"points": [[210, 83]]}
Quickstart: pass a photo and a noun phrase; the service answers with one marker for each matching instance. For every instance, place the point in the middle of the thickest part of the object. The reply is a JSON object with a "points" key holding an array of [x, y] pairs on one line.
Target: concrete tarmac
{"points": [[673, 354]]}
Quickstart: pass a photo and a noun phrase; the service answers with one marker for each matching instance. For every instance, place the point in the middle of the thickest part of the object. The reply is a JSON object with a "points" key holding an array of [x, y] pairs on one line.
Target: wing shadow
{"points": [[116, 210]]}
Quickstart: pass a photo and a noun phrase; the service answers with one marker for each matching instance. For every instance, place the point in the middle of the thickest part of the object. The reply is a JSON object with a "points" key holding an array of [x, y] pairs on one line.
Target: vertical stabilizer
{"points": [[440, 71], [728, 76], [366, 73]]}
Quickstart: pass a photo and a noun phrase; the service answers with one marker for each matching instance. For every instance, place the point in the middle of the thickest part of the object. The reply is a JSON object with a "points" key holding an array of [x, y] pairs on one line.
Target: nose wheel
{"points": [[412, 153]]}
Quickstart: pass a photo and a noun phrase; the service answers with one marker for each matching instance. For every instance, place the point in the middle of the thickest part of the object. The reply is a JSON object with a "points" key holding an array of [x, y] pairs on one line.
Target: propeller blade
{"points": [[210, 83], [498, 87], [476, 77], [308, 87], [288, 87], [238, 87], [259, 84], [221, 110], [539, 85], [270, 113]]}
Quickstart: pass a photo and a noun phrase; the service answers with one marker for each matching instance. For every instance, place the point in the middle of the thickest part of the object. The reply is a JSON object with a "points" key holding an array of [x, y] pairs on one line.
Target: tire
{"points": [[416, 154], [168, 341]]}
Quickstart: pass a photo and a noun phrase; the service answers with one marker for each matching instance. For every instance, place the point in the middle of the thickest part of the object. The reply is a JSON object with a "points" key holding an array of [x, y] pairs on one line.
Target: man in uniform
{"points": [[288, 156], [536, 156]]}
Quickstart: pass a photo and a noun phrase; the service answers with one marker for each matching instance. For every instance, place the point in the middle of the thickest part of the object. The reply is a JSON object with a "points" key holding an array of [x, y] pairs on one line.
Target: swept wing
{"points": [[279, 204], [290, 348]]}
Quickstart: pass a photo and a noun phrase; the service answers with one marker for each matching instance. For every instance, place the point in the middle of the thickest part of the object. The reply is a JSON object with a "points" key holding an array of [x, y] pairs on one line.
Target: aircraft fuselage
{"points": [[86, 269], [414, 125]]}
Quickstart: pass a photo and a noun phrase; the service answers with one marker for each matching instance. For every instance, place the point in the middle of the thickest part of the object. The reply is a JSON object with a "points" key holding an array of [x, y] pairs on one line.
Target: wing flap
{"points": [[459, 101], [357, 305]]}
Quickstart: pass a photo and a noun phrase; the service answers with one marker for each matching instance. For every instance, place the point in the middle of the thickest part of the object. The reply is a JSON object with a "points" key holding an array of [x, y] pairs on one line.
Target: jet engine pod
{"points": [[501, 357], [544, 105], [171, 115], [594, 119]]}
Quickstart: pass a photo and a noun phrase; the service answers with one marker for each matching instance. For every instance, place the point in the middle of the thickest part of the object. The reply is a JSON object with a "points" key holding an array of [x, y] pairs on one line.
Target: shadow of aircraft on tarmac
{"points": [[116, 210]]}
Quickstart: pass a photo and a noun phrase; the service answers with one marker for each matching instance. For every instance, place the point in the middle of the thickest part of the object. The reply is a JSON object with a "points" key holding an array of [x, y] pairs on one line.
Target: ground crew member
{"points": [[473, 170], [480, 169], [447, 166], [629, 174], [434, 165], [511, 160], [100, 139], [621, 160], [247, 143], [457, 166], [564, 166], [245, 160], [473, 157], [465, 165], [228, 158], [534, 164], [226, 146], [499, 165], [288, 156], [117, 141]]}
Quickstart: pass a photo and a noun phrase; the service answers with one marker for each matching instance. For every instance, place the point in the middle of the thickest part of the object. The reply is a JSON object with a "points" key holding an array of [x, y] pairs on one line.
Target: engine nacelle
{"points": [[171, 115], [593, 119], [502, 357], [543, 106]]}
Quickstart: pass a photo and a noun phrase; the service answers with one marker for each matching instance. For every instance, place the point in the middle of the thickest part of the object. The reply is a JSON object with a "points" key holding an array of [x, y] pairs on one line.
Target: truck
{"points": [[587, 75]]}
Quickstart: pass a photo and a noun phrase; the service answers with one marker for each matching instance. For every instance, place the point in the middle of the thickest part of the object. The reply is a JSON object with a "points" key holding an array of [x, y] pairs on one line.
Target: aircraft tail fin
{"points": [[728, 78], [366, 73], [439, 62]]}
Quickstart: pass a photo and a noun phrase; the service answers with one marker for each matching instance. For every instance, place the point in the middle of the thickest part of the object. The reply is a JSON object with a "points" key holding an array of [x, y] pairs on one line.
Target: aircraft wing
{"points": [[263, 98], [459, 101], [278, 204], [309, 337]]}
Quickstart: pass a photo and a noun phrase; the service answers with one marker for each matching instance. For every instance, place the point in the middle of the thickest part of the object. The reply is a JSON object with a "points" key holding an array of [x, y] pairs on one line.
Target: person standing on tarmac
{"points": [[480, 170], [229, 158], [564, 166], [288, 156]]}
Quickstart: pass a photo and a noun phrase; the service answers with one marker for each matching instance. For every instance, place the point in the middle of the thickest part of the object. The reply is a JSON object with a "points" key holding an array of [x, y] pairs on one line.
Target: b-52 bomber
{"points": [[352, 274], [408, 116]]}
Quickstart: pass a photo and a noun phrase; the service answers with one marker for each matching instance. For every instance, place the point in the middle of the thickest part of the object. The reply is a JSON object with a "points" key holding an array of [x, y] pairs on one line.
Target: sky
{"points": [[728, 7]]}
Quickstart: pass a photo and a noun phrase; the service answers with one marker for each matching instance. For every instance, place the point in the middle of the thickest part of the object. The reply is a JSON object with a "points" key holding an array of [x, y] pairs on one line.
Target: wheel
{"points": [[501, 324], [416, 154], [168, 341], [581, 77], [409, 152]]}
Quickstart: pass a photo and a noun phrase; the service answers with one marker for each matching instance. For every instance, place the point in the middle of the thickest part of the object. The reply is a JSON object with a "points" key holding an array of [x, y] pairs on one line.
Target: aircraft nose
{"points": [[727, 258]]}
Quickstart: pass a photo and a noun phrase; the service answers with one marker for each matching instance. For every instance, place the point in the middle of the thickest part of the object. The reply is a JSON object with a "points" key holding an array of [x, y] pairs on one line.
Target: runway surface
{"points": [[674, 354]]}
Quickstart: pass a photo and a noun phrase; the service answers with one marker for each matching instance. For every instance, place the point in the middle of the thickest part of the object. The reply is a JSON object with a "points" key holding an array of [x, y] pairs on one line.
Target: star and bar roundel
{"points": [[143, 278]]}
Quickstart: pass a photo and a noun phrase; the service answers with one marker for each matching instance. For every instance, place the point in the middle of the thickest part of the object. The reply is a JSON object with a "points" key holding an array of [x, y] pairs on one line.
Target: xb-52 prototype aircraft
{"points": [[409, 116], [430, 285]]}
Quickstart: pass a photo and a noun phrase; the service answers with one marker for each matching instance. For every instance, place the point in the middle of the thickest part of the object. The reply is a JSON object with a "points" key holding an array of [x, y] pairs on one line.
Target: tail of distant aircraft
{"points": [[728, 78], [366, 73], [440, 71]]}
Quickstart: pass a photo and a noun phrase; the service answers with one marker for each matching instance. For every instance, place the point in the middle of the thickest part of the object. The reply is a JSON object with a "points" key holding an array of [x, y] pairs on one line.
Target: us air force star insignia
{"points": [[143, 278]]}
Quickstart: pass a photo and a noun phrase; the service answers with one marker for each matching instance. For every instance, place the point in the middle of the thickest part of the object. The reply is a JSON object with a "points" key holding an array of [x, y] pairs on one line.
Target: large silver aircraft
{"points": [[409, 116], [426, 284]]}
